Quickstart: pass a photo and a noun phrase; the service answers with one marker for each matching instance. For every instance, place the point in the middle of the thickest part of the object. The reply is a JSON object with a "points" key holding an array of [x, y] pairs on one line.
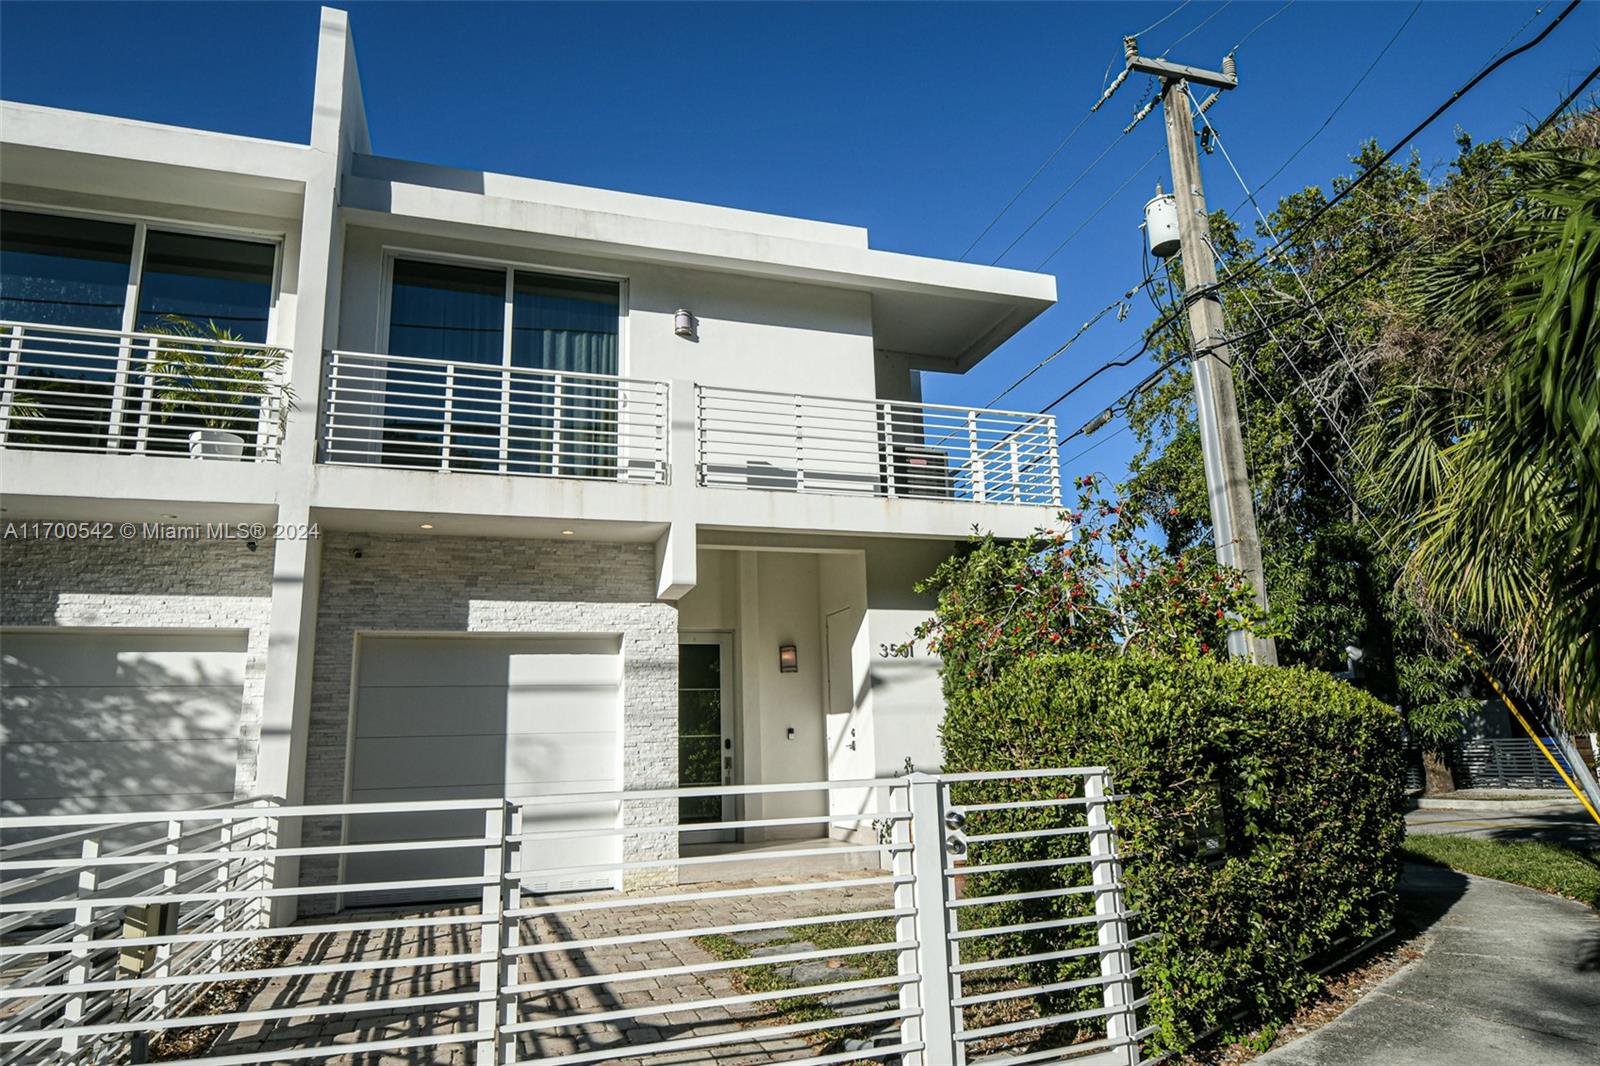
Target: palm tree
{"points": [[208, 377], [1489, 482]]}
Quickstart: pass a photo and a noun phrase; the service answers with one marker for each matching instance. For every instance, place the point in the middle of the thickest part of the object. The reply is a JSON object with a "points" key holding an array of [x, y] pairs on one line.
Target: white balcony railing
{"points": [[435, 414], [764, 440], [94, 390]]}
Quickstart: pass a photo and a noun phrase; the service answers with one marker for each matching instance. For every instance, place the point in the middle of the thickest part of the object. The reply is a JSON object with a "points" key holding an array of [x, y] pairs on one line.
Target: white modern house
{"points": [[493, 486]]}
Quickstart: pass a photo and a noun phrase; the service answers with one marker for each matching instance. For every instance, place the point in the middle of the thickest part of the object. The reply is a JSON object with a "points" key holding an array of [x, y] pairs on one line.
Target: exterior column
{"points": [[338, 128]]}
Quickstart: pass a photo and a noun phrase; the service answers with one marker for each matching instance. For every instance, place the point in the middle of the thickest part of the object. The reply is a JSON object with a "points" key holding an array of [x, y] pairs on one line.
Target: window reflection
{"points": [[207, 279]]}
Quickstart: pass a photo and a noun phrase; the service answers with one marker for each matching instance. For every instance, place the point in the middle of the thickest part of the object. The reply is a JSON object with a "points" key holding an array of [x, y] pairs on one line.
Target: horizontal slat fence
{"points": [[847, 925]]}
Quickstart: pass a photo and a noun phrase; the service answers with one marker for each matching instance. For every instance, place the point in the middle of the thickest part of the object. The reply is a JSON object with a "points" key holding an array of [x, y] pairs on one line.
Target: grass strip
{"points": [[1555, 868], [761, 977]]}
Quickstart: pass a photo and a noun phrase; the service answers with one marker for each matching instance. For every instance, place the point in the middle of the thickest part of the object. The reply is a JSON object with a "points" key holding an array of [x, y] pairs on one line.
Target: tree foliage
{"points": [[1490, 482], [1095, 584], [1392, 318]]}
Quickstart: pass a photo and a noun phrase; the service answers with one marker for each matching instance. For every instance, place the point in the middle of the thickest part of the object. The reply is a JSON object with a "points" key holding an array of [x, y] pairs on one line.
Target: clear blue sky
{"points": [[917, 121]]}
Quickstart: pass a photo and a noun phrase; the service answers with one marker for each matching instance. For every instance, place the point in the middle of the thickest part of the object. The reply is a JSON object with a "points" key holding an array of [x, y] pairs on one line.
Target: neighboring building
{"points": [[563, 528]]}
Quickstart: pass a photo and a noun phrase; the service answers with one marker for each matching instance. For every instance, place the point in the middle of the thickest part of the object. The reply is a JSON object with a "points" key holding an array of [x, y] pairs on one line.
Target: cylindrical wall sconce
{"points": [[788, 659], [684, 324]]}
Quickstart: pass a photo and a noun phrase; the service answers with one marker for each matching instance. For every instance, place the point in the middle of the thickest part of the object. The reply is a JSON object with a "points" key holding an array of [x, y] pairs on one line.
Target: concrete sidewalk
{"points": [[1508, 976]]}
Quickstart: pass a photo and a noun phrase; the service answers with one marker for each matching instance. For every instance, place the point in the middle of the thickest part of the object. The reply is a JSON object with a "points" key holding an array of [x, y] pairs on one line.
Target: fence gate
{"points": [[925, 920], [1021, 941]]}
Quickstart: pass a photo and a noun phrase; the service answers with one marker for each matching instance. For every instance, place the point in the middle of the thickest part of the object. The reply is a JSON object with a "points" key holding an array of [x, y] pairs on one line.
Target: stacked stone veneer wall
{"points": [[430, 584], [151, 584]]}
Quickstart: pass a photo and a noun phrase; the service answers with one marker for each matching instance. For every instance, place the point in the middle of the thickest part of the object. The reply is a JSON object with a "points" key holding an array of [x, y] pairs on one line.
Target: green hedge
{"points": [[1261, 824]]}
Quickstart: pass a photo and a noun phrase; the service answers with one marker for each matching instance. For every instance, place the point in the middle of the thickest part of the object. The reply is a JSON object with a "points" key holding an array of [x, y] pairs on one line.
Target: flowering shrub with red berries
{"points": [[1093, 584]]}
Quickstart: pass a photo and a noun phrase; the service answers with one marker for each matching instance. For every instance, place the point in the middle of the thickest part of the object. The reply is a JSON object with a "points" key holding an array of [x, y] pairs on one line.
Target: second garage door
{"points": [[111, 720], [474, 717]]}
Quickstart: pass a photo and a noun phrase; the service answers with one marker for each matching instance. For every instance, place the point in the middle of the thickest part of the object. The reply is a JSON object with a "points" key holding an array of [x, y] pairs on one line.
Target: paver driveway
{"points": [[425, 979]]}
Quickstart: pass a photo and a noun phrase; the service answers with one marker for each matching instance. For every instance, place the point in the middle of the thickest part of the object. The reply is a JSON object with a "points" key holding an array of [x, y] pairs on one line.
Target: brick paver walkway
{"points": [[421, 978]]}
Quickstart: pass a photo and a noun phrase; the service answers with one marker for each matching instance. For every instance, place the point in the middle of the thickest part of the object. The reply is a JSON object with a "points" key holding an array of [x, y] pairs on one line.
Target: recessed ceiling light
{"points": [[427, 525], [566, 532], [169, 516]]}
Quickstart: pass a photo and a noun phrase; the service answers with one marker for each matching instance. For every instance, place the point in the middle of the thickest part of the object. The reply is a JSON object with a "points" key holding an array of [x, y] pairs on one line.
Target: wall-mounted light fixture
{"points": [[788, 659], [684, 324]]}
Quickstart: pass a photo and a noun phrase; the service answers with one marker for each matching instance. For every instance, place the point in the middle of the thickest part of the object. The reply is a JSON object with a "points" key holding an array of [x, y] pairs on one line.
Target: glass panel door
{"points": [[67, 272], [206, 292], [705, 739], [565, 325], [447, 312]]}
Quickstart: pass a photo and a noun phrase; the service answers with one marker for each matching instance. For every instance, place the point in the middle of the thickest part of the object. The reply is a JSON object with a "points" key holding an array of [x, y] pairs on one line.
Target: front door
{"points": [[705, 732]]}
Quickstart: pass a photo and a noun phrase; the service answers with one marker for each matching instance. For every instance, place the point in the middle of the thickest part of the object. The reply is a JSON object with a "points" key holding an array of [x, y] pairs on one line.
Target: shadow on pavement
{"points": [[1428, 892], [1555, 827]]}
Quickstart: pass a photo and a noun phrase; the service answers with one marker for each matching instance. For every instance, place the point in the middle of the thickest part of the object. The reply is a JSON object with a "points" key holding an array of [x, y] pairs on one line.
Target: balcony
{"points": [[93, 390], [886, 448], [452, 416]]}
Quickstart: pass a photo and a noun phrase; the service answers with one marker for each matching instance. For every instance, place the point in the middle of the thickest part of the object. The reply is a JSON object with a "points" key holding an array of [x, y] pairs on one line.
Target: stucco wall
{"points": [[753, 333], [151, 584], [907, 701]]}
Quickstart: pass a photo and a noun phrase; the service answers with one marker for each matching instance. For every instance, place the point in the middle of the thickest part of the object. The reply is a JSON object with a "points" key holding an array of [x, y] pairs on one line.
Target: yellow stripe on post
{"points": [[1517, 714]]}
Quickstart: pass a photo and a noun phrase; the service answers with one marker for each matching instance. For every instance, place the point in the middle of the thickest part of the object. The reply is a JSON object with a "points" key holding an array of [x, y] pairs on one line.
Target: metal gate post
{"points": [[511, 935], [490, 942], [1115, 960], [931, 891]]}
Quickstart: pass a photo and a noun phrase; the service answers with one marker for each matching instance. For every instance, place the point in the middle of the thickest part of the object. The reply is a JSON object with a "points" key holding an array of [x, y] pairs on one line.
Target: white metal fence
{"points": [[436, 414], [95, 390], [848, 921], [763, 440]]}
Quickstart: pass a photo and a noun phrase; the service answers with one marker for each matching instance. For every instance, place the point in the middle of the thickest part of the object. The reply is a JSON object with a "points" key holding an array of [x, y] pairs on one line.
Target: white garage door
{"points": [[110, 720], [473, 717]]}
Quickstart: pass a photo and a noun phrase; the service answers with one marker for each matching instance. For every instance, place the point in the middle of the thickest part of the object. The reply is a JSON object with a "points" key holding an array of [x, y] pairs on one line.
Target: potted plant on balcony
{"points": [[208, 377]]}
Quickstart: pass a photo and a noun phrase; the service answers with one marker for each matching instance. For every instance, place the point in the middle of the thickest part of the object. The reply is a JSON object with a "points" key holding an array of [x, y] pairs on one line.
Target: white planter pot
{"points": [[215, 444]]}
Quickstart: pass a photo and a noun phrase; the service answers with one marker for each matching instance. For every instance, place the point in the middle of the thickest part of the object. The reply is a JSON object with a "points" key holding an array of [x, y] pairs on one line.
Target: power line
{"points": [[1098, 315], [1061, 196], [1119, 431], [1120, 405], [1566, 103], [1163, 18], [1234, 276], [1203, 23], [1051, 158], [1096, 212], [1250, 195], [1288, 261], [1182, 307], [1252, 31]]}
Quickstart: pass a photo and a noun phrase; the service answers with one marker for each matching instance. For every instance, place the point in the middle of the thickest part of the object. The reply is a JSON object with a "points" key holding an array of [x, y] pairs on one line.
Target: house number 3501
{"points": [[908, 650]]}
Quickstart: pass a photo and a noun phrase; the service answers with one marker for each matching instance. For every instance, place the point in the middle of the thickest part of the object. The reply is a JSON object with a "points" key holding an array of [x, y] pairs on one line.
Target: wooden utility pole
{"points": [[1233, 516]]}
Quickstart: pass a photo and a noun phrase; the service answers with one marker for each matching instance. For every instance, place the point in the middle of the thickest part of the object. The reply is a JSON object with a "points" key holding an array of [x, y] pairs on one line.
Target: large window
{"points": [[207, 279], [63, 271], [61, 275], [480, 419]]}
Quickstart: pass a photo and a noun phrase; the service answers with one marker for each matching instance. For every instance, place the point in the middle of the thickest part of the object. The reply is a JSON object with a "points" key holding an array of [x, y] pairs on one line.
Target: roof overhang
{"points": [[944, 315]]}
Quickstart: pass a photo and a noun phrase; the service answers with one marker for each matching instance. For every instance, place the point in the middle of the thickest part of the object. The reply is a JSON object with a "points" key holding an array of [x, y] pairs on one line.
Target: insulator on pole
{"points": [[1130, 47], [1143, 111], [1230, 66], [1115, 84]]}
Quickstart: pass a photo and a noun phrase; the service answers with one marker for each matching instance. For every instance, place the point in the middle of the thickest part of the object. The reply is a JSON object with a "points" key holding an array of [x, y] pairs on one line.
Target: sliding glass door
{"points": [[491, 322], [441, 311], [61, 275]]}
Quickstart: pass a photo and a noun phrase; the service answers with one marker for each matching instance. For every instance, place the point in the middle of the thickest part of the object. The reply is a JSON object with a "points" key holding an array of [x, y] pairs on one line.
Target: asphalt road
{"points": [[1572, 827]]}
